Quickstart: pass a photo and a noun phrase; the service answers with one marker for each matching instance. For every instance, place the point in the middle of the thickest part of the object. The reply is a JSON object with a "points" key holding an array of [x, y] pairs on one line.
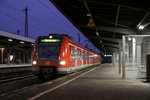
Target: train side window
{"points": [[78, 55], [70, 49], [87, 55], [73, 53], [84, 55]]}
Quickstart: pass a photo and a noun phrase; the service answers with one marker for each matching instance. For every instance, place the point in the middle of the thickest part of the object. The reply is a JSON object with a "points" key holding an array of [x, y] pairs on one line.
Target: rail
{"points": [[14, 73]]}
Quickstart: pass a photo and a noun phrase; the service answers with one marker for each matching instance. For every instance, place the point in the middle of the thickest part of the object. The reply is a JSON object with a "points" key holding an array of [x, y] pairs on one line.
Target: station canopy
{"points": [[104, 22]]}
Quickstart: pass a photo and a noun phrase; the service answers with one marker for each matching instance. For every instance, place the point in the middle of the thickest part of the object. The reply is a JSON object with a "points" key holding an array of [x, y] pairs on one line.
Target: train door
{"points": [[79, 57], [87, 58], [90, 58], [72, 56], [84, 59], [76, 56]]}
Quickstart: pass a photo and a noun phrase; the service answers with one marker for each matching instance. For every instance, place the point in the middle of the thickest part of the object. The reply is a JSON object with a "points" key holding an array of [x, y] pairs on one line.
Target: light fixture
{"points": [[141, 27], [109, 55], [10, 40], [21, 42], [97, 33], [129, 39], [2, 48], [88, 14], [50, 36]]}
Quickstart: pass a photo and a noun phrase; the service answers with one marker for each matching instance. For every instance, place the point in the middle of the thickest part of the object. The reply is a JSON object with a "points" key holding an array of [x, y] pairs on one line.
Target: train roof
{"points": [[85, 47], [57, 36]]}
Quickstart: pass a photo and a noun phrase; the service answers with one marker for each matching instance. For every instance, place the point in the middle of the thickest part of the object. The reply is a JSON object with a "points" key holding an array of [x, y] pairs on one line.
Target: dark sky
{"points": [[43, 19]]}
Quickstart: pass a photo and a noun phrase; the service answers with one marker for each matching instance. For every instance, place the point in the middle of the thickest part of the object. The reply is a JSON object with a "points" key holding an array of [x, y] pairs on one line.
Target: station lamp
{"points": [[141, 27], [88, 14], [129, 38], [21, 42], [97, 33], [10, 40], [100, 41]]}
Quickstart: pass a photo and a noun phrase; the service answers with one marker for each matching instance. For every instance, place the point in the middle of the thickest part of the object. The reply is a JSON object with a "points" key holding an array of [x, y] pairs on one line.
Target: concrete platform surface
{"points": [[98, 83], [13, 68], [14, 65]]}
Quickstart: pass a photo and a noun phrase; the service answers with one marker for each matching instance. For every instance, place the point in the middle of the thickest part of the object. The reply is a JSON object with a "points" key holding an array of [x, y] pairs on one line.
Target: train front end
{"points": [[46, 56]]}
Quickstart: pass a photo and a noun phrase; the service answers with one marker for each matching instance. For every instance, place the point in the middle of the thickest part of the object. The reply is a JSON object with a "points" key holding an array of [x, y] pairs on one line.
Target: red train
{"points": [[58, 54]]}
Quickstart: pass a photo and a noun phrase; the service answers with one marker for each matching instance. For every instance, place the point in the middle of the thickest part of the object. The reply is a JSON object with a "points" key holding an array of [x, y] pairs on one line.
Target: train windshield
{"points": [[48, 51]]}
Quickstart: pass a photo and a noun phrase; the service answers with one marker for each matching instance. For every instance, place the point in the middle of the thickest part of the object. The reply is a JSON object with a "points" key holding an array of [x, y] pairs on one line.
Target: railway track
{"points": [[8, 85], [18, 81], [16, 78]]}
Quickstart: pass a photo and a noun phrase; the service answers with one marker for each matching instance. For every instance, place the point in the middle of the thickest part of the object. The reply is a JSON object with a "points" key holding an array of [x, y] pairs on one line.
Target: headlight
{"points": [[34, 62], [62, 62]]}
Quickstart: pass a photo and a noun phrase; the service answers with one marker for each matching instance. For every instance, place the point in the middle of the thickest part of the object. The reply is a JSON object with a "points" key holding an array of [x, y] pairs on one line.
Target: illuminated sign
{"points": [[50, 40]]}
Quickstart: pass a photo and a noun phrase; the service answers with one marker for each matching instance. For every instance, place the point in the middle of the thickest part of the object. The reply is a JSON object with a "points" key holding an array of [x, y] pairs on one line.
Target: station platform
{"points": [[11, 68], [14, 65], [98, 83]]}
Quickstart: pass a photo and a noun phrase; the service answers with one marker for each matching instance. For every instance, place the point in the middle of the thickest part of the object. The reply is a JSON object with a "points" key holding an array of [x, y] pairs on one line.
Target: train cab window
{"points": [[48, 51]]}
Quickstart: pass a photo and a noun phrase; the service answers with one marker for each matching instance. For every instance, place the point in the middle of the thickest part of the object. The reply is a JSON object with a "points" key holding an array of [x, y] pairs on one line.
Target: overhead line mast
{"points": [[26, 21]]}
